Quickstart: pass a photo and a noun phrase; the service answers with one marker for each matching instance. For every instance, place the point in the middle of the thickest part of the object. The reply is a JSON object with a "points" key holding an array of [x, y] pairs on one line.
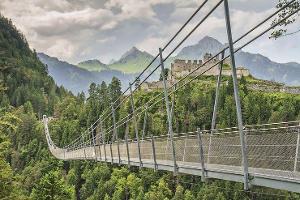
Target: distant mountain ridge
{"points": [[134, 61], [260, 66], [77, 79]]}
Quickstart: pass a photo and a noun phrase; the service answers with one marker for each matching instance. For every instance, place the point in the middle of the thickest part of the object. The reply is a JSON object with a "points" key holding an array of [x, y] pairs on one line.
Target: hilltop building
{"points": [[181, 68]]}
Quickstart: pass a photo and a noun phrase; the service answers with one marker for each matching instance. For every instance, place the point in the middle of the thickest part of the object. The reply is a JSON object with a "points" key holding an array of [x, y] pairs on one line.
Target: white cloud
{"points": [[151, 44], [77, 30], [105, 40], [62, 48]]}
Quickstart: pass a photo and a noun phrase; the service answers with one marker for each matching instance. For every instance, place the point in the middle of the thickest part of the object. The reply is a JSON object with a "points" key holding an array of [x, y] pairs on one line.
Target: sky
{"points": [[77, 30]]}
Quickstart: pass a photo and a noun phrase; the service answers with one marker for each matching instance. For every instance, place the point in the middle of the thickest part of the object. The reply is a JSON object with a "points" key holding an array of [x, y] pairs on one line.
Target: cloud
{"points": [[105, 40], [56, 23], [75, 30], [151, 44]]}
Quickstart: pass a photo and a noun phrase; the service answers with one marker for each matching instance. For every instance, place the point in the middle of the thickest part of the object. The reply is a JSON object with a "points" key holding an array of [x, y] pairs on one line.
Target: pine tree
{"points": [[51, 187]]}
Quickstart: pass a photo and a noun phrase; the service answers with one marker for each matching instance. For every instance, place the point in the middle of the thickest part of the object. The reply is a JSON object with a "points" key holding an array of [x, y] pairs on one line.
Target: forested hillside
{"points": [[28, 171], [24, 77], [26, 93]]}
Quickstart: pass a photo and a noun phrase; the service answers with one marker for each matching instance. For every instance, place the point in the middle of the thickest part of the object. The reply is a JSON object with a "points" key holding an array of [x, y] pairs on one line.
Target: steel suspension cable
{"points": [[273, 26], [236, 50], [168, 43]]}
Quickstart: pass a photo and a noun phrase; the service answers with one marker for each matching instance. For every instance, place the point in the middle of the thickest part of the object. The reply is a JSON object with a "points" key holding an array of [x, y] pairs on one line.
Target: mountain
{"points": [[263, 68], [92, 65], [133, 61], [67, 75], [77, 79], [260, 66], [197, 51]]}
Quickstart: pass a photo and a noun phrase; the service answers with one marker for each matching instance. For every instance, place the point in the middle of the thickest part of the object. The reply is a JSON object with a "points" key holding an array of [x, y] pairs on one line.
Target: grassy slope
{"points": [[92, 66], [131, 66]]}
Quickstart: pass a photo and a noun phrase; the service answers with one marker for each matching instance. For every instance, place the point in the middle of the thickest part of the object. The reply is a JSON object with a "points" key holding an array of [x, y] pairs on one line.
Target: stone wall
{"points": [[150, 86], [181, 68], [274, 88], [240, 71]]}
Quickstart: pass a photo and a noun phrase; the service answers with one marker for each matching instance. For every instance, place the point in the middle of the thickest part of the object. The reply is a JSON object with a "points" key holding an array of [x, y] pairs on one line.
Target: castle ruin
{"points": [[180, 68]]}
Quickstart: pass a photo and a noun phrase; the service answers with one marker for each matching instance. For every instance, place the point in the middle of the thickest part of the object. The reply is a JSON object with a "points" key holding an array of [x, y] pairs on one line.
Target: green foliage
{"points": [[50, 187], [282, 30], [135, 187], [188, 195], [8, 125], [164, 74], [6, 173], [93, 177], [159, 191], [6, 176], [179, 193]]}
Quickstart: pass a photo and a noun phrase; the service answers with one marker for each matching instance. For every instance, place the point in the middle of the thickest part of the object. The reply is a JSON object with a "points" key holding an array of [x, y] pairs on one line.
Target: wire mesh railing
{"points": [[271, 147], [272, 151]]}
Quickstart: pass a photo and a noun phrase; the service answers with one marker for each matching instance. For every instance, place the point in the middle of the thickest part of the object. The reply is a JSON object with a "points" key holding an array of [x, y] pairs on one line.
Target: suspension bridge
{"points": [[263, 155]]}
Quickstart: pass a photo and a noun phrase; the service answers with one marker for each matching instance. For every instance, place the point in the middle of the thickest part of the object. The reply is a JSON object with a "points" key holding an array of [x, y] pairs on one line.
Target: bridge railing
{"points": [[272, 151], [269, 146]]}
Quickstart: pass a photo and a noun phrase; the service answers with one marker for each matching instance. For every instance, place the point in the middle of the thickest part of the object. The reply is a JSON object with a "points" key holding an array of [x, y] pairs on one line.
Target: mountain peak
{"points": [[92, 65], [132, 61], [206, 45], [134, 49], [131, 52], [134, 53], [208, 39]]}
